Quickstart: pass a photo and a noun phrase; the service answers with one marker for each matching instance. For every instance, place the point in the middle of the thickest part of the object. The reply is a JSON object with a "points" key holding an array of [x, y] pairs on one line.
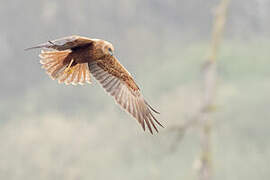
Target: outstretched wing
{"points": [[116, 80], [56, 62], [59, 62], [65, 43]]}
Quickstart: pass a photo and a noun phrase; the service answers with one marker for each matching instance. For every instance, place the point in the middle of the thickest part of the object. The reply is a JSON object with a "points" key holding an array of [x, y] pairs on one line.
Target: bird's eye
{"points": [[110, 51]]}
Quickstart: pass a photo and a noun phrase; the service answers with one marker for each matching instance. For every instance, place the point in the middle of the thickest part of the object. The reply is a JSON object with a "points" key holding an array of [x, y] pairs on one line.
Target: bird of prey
{"points": [[72, 59]]}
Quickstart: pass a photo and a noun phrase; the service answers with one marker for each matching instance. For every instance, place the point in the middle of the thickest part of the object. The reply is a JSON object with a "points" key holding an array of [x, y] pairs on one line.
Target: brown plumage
{"points": [[70, 60]]}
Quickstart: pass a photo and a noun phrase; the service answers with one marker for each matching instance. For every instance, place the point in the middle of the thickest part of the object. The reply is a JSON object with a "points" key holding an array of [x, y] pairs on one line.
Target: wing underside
{"points": [[56, 67], [128, 98]]}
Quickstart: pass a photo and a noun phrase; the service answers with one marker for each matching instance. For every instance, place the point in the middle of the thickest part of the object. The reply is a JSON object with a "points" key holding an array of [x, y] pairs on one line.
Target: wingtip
{"points": [[43, 45], [27, 49], [35, 47], [155, 111], [156, 120]]}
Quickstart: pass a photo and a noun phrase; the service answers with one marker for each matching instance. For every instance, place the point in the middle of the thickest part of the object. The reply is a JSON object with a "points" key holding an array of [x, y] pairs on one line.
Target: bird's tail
{"points": [[59, 66]]}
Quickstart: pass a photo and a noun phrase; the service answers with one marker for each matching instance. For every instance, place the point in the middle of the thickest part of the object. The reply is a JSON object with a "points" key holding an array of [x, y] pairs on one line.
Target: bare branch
{"points": [[209, 92]]}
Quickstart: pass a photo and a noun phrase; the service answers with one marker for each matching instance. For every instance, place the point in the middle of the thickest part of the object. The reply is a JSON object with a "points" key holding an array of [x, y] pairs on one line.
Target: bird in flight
{"points": [[72, 59]]}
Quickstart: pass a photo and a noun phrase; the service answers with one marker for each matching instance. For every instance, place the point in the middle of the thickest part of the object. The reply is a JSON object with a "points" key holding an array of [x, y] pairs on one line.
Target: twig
{"points": [[209, 93]]}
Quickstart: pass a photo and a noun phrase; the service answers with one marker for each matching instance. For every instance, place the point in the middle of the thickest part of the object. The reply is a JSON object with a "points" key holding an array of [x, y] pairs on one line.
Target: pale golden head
{"points": [[105, 46], [108, 48]]}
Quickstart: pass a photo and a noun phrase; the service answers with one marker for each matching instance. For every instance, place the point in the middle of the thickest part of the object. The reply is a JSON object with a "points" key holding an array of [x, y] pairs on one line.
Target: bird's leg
{"points": [[69, 69]]}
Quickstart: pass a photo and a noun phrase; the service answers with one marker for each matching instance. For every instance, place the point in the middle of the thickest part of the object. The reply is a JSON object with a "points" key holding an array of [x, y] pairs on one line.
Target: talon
{"points": [[69, 69]]}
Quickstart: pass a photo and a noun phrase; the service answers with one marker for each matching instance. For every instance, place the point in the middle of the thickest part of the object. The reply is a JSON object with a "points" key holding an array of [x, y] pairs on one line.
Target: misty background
{"points": [[53, 131]]}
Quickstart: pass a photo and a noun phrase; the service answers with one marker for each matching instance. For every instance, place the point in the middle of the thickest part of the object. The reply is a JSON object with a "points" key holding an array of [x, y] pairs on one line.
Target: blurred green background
{"points": [[52, 131]]}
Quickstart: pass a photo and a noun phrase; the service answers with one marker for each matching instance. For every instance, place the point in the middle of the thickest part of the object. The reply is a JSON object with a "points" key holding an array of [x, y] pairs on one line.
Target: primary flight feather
{"points": [[72, 59]]}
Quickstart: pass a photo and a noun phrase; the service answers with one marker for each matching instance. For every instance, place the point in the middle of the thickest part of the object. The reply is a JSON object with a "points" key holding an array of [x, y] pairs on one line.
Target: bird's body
{"points": [[70, 60]]}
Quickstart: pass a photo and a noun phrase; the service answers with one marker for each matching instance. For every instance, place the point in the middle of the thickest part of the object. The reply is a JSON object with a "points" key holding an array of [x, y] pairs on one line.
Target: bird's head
{"points": [[108, 48], [103, 48]]}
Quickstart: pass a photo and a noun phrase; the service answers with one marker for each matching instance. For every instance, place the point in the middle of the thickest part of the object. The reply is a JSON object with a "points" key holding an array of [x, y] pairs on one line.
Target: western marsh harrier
{"points": [[72, 59]]}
